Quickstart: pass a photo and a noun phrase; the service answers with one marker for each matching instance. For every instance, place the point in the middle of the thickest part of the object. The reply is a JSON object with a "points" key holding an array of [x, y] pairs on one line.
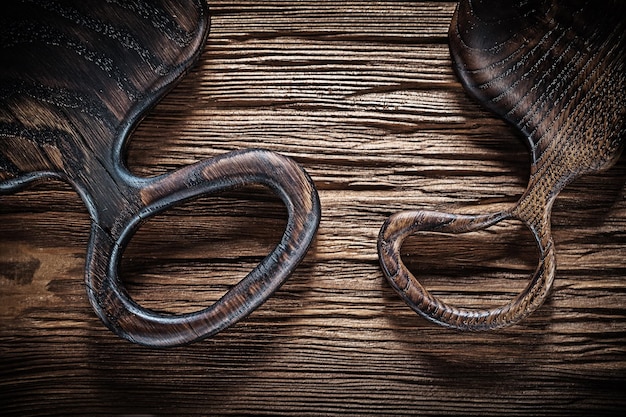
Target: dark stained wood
{"points": [[363, 96], [76, 78], [554, 70]]}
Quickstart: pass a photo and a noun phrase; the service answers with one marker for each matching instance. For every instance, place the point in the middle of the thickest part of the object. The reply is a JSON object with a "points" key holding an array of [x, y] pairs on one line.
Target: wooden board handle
{"points": [[141, 325], [400, 225]]}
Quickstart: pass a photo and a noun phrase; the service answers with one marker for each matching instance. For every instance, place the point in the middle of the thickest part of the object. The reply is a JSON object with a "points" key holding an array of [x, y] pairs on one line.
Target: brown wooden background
{"points": [[362, 95]]}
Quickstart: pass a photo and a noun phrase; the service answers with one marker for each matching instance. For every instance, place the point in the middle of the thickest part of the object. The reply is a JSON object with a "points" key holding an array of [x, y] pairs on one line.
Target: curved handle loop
{"points": [[400, 225], [128, 319]]}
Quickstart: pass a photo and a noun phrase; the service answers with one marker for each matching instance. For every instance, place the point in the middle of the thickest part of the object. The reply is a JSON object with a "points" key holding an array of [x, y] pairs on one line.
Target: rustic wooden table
{"points": [[363, 96]]}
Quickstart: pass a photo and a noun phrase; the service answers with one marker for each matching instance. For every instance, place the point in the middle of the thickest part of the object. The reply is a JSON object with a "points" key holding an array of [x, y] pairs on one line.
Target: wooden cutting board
{"points": [[363, 96]]}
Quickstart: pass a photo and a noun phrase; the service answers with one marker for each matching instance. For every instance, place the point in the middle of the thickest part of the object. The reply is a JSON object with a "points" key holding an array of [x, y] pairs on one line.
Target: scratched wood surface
{"points": [[362, 95]]}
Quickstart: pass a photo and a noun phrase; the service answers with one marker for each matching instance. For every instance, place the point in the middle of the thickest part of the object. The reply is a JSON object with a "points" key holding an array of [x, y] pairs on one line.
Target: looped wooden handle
{"points": [[80, 80], [141, 325], [400, 225]]}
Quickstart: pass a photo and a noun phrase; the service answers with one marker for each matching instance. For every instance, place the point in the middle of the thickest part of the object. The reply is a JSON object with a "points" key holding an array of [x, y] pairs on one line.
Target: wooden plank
{"points": [[362, 95]]}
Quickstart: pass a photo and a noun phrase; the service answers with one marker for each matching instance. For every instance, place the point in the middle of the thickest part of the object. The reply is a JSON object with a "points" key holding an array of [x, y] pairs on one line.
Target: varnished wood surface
{"points": [[556, 72], [363, 96]]}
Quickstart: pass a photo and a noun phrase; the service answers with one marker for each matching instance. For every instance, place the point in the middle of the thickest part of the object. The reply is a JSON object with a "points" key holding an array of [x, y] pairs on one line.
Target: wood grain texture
{"points": [[556, 71], [363, 96], [75, 80]]}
